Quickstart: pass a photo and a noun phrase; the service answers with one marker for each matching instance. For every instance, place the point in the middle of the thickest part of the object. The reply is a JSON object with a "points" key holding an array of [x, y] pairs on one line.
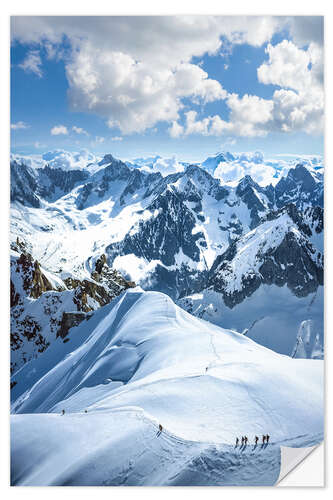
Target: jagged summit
{"points": [[107, 159]]}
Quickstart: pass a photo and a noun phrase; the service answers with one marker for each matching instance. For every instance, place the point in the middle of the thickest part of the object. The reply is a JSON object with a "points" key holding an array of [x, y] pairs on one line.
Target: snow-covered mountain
{"points": [[140, 362], [29, 185], [165, 232], [265, 274]]}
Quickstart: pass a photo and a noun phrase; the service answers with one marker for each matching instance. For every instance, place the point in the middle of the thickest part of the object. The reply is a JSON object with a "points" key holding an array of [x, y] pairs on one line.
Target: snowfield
{"points": [[141, 361]]}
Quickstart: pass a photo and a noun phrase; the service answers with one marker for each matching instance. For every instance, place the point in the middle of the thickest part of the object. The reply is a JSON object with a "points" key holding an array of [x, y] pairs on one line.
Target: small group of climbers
{"points": [[244, 440]]}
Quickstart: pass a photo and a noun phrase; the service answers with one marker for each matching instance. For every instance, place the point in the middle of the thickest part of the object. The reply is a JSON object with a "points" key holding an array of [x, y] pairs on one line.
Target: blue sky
{"points": [[173, 86]]}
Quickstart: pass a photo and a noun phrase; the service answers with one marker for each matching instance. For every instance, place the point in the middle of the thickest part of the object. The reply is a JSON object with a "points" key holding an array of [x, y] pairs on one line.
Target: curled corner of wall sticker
{"points": [[302, 467]]}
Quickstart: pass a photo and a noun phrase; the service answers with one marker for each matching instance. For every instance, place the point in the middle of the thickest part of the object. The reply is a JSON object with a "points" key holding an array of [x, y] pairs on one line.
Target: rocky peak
{"points": [[300, 174], [108, 158], [33, 280], [23, 185]]}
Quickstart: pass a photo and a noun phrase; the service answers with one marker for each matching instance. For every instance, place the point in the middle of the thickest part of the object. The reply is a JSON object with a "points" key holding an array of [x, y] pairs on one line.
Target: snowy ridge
{"points": [[205, 385]]}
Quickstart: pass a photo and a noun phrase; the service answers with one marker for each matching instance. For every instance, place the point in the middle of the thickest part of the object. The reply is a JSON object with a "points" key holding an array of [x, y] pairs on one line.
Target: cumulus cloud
{"points": [[299, 104], [59, 130], [32, 63], [59, 158], [229, 172], [136, 71], [248, 117], [262, 171], [134, 95], [19, 125], [167, 166], [175, 130], [289, 66], [67, 160]]}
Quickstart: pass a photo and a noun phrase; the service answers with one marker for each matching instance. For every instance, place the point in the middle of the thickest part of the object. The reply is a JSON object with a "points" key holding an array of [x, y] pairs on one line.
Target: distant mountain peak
{"points": [[108, 158]]}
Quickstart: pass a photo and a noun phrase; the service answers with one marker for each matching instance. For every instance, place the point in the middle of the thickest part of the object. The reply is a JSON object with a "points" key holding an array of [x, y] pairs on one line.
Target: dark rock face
{"points": [[164, 234], [29, 186], [23, 185], [247, 190], [55, 181], [299, 271], [70, 319], [205, 183], [162, 237], [34, 281], [299, 188]]}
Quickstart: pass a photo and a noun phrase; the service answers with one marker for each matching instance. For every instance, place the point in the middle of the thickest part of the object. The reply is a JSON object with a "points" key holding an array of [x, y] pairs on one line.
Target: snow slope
{"points": [[271, 316], [141, 361]]}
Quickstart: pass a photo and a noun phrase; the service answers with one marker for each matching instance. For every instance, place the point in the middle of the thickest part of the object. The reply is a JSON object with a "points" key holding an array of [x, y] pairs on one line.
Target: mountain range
{"points": [[213, 247]]}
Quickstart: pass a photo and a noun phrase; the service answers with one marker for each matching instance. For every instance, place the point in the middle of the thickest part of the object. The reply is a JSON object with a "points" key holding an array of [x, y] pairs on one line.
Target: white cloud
{"points": [[261, 171], [248, 117], [168, 166], [165, 166], [299, 104], [136, 71], [116, 138], [176, 130], [288, 66], [229, 172], [134, 95], [67, 160], [211, 125], [19, 125], [79, 130], [59, 129], [32, 63]]}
